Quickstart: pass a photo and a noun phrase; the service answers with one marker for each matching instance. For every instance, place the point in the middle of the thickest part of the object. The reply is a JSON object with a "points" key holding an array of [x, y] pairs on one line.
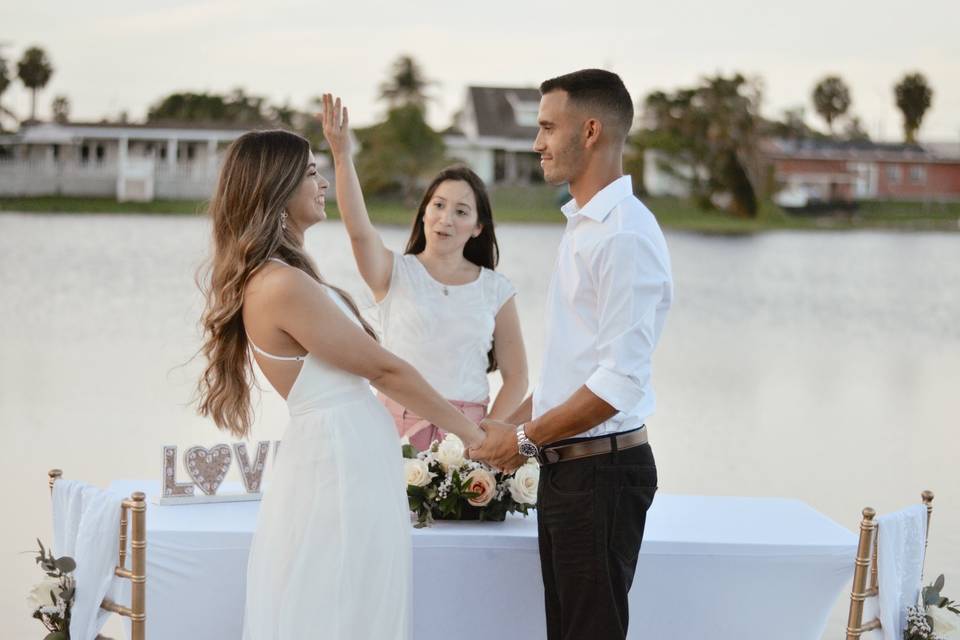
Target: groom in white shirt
{"points": [[585, 422]]}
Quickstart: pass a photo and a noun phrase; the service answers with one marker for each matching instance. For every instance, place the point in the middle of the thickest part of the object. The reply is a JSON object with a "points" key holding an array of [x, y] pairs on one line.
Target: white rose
{"points": [[417, 472], [39, 595], [523, 485], [482, 482], [944, 621], [451, 453]]}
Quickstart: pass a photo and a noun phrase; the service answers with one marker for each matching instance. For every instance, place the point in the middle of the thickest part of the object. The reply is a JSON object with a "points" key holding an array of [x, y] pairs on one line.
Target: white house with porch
{"points": [[126, 161], [493, 134]]}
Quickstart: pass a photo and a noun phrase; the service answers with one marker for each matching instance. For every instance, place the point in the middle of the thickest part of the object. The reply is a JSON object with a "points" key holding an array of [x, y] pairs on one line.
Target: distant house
{"points": [[831, 171], [125, 161], [493, 134]]}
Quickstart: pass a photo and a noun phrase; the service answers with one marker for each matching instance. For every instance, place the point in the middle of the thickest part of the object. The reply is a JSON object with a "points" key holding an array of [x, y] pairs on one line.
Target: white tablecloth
{"points": [[710, 567]]}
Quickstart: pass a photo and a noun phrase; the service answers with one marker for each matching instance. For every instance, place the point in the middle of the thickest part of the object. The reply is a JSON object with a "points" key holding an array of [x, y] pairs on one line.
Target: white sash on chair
{"points": [[900, 550], [86, 527]]}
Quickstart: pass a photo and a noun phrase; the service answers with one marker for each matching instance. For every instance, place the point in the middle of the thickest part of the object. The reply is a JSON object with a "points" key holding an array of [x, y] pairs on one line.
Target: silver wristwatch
{"points": [[525, 445]]}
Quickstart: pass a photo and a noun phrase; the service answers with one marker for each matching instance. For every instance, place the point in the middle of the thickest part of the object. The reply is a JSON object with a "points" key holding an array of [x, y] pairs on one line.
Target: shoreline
{"points": [[672, 213]]}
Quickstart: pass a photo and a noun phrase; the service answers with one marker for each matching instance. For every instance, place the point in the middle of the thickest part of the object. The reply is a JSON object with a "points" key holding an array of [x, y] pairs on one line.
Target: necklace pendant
{"points": [[446, 291]]}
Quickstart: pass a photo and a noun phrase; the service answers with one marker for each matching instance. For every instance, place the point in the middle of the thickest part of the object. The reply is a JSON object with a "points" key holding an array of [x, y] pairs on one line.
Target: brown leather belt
{"points": [[593, 447]]}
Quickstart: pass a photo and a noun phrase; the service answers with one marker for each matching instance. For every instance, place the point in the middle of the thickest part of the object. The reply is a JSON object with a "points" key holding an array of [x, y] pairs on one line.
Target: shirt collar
{"points": [[603, 202]]}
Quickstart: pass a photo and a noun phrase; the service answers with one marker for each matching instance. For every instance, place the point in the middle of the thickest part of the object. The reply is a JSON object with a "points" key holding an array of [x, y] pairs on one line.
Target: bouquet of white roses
{"points": [[935, 618], [443, 484], [52, 598]]}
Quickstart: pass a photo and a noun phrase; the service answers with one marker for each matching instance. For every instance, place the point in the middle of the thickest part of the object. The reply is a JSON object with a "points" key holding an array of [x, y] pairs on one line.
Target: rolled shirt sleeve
{"points": [[631, 279]]}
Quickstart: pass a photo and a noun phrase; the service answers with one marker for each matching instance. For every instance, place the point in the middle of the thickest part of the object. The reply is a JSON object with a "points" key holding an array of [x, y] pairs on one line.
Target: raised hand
{"points": [[336, 126], [499, 448]]}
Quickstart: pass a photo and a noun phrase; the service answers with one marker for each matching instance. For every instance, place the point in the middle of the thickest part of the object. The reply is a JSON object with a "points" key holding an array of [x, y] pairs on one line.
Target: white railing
{"points": [[46, 177]]}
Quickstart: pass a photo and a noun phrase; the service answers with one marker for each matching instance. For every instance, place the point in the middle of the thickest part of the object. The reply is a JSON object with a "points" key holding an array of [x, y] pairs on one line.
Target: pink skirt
{"points": [[421, 432]]}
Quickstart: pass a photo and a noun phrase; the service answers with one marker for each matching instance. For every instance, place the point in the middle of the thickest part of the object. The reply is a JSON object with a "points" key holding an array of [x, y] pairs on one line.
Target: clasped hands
{"points": [[499, 446]]}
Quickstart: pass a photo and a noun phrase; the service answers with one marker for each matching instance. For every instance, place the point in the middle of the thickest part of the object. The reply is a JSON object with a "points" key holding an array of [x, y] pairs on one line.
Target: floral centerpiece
{"points": [[443, 484], [52, 598], [936, 617]]}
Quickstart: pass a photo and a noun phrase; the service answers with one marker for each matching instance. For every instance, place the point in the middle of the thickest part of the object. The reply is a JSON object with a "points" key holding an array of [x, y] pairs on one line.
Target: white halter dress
{"points": [[331, 556]]}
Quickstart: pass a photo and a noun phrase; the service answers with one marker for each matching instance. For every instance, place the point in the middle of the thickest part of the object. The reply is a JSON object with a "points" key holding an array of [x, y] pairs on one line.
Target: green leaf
{"points": [[56, 635], [408, 451], [938, 584]]}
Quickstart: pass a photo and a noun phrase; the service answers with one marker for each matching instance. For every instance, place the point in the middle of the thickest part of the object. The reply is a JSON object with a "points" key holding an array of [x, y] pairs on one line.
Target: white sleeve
{"points": [[631, 280], [504, 291], [398, 274]]}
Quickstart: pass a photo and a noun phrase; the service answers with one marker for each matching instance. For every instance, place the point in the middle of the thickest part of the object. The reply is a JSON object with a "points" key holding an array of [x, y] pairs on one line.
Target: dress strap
{"points": [[278, 260], [273, 357]]}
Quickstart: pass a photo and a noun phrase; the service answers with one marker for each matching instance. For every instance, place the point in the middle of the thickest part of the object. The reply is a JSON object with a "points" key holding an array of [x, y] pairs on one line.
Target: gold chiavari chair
{"points": [[867, 563], [136, 508]]}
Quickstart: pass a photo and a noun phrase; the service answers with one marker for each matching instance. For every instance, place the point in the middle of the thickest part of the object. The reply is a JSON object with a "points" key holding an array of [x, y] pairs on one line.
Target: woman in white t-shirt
{"points": [[442, 306]]}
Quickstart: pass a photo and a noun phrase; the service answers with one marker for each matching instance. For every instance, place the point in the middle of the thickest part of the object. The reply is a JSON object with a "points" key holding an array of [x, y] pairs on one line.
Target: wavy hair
{"points": [[261, 171]]}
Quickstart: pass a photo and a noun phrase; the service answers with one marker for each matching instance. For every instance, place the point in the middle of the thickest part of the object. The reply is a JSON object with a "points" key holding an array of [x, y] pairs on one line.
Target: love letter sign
{"points": [[207, 468]]}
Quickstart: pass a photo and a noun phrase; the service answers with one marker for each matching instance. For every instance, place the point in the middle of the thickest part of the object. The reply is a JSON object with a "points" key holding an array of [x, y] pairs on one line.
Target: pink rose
{"points": [[481, 482]]}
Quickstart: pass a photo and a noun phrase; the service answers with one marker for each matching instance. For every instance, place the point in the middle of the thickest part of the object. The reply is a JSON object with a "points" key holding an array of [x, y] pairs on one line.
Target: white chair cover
{"points": [[899, 570], [86, 528]]}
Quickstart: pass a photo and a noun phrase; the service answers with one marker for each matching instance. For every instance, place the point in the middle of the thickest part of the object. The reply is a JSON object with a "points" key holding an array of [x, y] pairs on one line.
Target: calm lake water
{"points": [[820, 366]]}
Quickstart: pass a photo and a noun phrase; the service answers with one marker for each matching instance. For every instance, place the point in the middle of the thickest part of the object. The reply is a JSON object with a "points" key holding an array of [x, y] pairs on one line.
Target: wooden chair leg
{"points": [[859, 593]]}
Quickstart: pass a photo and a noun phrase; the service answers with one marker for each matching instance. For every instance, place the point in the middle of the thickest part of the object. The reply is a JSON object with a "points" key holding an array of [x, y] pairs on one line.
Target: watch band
{"points": [[525, 446]]}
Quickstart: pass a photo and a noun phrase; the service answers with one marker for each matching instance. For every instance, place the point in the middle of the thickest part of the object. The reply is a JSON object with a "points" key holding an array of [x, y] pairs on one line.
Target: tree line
{"points": [[34, 70], [394, 153], [707, 134]]}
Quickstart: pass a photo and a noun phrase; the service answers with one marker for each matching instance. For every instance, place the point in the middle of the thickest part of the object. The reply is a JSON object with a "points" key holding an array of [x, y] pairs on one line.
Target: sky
{"points": [[111, 57]]}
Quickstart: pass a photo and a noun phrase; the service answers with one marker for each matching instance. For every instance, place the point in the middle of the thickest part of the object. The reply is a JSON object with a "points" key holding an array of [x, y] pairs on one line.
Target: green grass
{"points": [[61, 204], [541, 204], [901, 211]]}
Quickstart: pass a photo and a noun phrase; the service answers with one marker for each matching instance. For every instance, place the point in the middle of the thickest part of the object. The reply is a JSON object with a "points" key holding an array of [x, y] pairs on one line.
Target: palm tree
{"points": [[34, 70], [406, 85], [913, 99], [831, 99]]}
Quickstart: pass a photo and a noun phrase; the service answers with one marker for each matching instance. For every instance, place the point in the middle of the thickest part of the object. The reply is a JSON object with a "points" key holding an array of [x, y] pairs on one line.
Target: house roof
{"points": [[852, 150], [165, 124], [72, 132], [505, 112], [944, 150]]}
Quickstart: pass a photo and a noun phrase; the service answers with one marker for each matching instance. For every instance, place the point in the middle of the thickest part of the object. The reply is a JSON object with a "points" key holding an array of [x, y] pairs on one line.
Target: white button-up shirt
{"points": [[606, 306]]}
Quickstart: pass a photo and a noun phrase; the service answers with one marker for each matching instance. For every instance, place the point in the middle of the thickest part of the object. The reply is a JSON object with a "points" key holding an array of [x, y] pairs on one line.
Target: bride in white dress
{"points": [[331, 555]]}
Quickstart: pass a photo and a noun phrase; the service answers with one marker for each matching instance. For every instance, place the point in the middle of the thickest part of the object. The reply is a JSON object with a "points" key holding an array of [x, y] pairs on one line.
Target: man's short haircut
{"points": [[596, 89]]}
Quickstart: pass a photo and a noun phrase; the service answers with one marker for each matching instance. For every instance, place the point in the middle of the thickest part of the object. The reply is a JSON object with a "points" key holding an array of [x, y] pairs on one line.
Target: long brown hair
{"points": [[260, 173], [482, 250]]}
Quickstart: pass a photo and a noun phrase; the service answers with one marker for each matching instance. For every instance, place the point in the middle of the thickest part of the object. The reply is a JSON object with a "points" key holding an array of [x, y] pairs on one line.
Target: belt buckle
{"points": [[548, 456]]}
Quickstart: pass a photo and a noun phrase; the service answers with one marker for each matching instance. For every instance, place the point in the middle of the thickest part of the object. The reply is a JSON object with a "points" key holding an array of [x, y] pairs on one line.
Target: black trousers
{"points": [[591, 513]]}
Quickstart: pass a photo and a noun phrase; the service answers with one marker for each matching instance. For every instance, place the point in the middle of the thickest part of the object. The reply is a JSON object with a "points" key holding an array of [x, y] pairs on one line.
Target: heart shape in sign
{"points": [[208, 467]]}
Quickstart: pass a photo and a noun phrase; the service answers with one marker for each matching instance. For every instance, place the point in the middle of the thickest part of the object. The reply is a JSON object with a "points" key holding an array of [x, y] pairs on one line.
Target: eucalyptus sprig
{"points": [[933, 598], [53, 599]]}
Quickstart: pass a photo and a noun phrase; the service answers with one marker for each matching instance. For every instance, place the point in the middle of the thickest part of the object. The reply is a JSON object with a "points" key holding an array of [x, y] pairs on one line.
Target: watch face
{"points": [[528, 449]]}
